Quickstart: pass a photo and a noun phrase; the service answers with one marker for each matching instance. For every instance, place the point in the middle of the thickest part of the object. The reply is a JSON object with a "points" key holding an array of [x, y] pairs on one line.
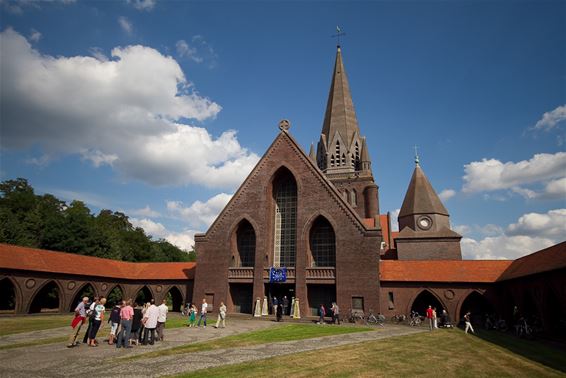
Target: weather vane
{"points": [[416, 155], [339, 33]]}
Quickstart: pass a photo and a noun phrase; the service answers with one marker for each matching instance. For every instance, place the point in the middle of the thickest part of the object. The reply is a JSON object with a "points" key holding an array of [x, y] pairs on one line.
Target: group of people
{"points": [[432, 319], [335, 312], [191, 311], [129, 322]]}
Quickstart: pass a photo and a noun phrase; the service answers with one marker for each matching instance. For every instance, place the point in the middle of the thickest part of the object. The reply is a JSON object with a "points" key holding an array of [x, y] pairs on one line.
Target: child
{"points": [[192, 316]]}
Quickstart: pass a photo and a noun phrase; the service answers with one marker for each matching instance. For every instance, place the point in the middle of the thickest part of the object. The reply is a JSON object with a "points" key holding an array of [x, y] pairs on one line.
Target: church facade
{"points": [[317, 216]]}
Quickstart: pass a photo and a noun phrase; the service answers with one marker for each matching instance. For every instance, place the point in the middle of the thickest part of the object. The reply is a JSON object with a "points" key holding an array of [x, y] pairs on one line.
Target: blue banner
{"points": [[277, 274]]}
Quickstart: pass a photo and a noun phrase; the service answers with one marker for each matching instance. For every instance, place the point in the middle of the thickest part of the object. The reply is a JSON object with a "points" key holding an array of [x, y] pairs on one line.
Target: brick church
{"points": [[315, 220]]}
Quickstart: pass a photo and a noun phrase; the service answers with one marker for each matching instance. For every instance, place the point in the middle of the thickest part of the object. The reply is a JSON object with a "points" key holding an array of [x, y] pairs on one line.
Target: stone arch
{"points": [[244, 244], [285, 195], [86, 290], [425, 298], [478, 306], [143, 295], [10, 298], [47, 298], [114, 295], [174, 299], [282, 167], [322, 243]]}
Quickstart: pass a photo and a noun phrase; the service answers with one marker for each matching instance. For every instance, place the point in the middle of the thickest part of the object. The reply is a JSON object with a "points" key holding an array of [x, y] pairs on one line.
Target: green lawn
{"points": [[18, 324], [274, 334], [445, 353]]}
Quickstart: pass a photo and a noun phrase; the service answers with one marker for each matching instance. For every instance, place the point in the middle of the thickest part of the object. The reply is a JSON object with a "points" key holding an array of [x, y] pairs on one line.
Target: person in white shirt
{"points": [[161, 319], [150, 323], [203, 311]]}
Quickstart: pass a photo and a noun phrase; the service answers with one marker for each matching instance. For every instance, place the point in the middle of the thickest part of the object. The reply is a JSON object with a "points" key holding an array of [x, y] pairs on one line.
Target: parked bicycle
{"points": [[355, 316], [523, 329], [378, 319], [415, 319], [398, 318]]}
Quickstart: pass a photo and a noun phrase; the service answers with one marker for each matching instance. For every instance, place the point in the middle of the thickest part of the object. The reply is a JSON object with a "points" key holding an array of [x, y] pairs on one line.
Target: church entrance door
{"points": [[279, 291]]}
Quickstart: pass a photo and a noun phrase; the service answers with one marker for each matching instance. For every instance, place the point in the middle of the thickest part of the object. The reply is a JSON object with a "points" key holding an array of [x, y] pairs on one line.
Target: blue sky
{"points": [[160, 108]]}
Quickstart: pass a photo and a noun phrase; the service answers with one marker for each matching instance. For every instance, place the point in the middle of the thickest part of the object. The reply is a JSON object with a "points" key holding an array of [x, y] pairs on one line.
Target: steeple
{"points": [[341, 147], [421, 197]]}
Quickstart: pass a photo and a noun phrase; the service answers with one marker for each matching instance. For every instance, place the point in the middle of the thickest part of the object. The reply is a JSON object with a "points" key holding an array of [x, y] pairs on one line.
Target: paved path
{"points": [[56, 360]]}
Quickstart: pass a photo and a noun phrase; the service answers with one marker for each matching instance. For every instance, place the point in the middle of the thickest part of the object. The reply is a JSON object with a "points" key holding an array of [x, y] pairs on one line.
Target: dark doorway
{"points": [[425, 299], [114, 297], [86, 291], [242, 297], [174, 299], [46, 300], [478, 306], [554, 316], [143, 296], [279, 291], [8, 301], [320, 294]]}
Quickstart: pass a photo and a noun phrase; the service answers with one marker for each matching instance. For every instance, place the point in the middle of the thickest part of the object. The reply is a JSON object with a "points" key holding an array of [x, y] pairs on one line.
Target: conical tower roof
{"points": [[421, 197], [340, 115]]}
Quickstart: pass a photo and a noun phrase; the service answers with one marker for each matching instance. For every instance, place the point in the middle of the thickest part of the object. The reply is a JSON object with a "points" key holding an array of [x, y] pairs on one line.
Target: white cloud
{"points": [[145, 212], [92, 199], [34, 36], [551, 119], [184, 240], [551, 225], [18, 6], [200, 213], [199, 50], [185, 51], [503, 247], [123, 112], [446, 194], [98, 53], [531, 232], [541, 169], [142, 5], [394, 221], [125, 24]]}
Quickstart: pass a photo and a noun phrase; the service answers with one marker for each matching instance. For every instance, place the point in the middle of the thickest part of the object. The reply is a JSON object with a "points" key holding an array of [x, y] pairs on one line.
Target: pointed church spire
{"points": [[340, 116], [421, 197], [312, 154]]}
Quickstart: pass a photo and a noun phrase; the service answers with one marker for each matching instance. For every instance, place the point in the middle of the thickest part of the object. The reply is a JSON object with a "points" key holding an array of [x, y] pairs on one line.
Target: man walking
{"points": [[161, 319], [429, 316], [203, 310], [468, 323], [78, 321]]}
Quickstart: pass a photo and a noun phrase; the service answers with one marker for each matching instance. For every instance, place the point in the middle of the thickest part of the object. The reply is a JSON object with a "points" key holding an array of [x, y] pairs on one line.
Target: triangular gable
{"points": [[285, 137]]}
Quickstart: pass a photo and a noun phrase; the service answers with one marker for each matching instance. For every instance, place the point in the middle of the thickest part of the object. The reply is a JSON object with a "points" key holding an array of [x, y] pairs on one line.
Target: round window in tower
{"points": [[424, 222]]}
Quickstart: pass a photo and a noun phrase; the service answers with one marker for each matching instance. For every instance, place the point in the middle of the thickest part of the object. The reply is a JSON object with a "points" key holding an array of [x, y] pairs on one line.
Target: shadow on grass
{"points": [[534, 350]]}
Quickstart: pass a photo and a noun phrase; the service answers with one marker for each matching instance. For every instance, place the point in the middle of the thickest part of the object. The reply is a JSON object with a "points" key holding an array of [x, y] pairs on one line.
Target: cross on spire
{"points": [[417, 161], [339, 33]]}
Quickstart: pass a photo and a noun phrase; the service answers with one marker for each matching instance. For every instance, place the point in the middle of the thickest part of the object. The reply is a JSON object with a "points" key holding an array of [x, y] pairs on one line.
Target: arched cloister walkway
{"points": [[47, 299]]}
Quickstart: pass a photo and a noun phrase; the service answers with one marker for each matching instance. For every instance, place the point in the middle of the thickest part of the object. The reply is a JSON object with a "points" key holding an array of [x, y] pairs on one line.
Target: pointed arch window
{"points": [[285, 191], [343, 159], [332, 160], [245, 241], [357, 158], [322, 243]]}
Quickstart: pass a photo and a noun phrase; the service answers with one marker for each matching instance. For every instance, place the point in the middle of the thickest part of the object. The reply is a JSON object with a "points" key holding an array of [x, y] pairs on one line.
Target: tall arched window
{"points": [[246, 244], [285, 193], [322, 243]]}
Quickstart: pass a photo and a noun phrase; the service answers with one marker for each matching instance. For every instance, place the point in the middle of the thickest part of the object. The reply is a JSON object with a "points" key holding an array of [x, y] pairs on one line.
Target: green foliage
{"points": [[46, 222]]}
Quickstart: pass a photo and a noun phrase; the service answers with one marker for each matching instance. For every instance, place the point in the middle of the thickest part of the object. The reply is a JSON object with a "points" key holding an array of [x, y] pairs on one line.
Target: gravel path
{"points": [[56, 360]]}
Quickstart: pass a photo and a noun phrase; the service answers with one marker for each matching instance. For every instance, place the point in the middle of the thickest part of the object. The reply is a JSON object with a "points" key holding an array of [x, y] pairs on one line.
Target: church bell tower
{"points": [[342, 152]]}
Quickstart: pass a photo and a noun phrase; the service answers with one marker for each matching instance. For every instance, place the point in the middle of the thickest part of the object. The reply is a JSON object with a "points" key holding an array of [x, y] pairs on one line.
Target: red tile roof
{"points": [[442, 270], [551, 258], [40, 260]]}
